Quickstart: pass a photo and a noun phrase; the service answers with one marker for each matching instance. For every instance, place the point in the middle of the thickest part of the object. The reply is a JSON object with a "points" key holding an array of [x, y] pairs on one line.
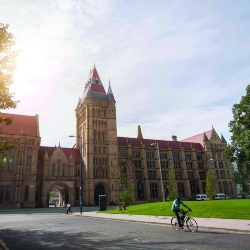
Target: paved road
{"points": [[51, 229]]}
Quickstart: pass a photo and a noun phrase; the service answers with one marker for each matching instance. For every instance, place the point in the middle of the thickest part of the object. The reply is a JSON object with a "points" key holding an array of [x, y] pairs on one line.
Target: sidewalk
{"points": [[205, 223]]}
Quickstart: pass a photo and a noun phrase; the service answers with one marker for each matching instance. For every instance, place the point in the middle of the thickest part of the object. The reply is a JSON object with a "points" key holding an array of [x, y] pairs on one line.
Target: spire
{"points": [[94, 77], [139, 132], [110, 93], [205, 139], [223, 139]]}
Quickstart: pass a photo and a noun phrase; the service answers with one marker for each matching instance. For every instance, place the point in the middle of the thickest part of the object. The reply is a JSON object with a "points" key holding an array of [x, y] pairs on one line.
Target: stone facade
{"points": [[31, 170]]}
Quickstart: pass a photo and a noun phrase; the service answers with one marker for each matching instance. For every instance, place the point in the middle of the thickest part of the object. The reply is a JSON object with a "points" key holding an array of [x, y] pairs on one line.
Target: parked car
{"points": [[201, 197], [221, 196]]}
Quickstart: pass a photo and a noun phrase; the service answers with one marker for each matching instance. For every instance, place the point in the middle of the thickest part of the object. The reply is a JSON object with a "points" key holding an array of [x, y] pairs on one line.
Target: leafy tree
{"points": [[210, 185], [53, 192], [172, 184], [126, 195], [7, 68], [239, 149]]}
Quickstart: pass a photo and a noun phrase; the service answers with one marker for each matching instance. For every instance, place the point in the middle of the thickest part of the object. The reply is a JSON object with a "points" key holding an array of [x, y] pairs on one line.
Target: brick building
{"points": [[31, 170]]}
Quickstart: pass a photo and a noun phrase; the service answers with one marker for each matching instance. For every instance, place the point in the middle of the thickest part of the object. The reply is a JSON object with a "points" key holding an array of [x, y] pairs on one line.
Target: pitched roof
{"points": [[198, 138], [122, 141], [50, 150], [28, 124]]}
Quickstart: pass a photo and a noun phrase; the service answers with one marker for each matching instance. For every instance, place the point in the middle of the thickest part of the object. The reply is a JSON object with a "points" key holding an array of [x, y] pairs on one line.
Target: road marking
{"points": [[3, 245]]}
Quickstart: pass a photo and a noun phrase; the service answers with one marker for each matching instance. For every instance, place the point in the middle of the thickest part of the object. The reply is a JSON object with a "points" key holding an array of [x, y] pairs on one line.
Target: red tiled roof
{"points": [[29, 124], [122, 141], [97, 88], [50, 150], [198, 138], [93, 73]]}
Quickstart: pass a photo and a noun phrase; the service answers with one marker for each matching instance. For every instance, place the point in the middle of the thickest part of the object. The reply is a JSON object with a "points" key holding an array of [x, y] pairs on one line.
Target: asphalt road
{"points": [[38, 229]]}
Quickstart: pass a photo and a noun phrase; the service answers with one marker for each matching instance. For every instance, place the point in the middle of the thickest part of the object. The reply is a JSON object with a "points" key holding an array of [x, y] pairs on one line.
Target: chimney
{"points": [[174, 138]]}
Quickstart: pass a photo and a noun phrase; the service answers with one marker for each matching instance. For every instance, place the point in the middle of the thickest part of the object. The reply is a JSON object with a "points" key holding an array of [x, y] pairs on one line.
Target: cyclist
{"points": [[176, 209]]}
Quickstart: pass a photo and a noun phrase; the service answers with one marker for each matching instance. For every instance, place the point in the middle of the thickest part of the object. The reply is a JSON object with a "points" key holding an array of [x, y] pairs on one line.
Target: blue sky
{"points": [[175, 67]]}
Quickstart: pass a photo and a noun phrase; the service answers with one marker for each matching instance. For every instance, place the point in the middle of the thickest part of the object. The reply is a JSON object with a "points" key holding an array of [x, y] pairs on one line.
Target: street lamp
{"points": [[159, 161], [80, 170]]}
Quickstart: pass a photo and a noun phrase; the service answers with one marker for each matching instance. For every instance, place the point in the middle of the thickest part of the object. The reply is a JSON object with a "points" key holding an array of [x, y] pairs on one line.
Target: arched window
{"points": [[28, 162], [53, 169], [58, 167], [63, 169], [11, 163]]}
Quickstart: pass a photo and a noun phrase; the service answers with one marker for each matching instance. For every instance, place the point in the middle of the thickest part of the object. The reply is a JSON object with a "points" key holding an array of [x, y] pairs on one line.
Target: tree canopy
{"points": [[239, 149], [7, 68], [172, 184]]}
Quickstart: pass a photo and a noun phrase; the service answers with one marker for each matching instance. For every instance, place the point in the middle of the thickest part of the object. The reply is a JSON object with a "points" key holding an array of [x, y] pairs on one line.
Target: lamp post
{"points": [[80, 170], [159, 161]]}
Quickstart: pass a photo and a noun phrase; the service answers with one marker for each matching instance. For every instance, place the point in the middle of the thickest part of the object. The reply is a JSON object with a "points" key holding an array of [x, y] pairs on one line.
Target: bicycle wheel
{"points": [[192, 225], [174, 223]]}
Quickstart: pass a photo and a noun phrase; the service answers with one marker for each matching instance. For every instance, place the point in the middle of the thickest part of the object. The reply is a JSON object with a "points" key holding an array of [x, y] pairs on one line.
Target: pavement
{"points": [[203, 223]]}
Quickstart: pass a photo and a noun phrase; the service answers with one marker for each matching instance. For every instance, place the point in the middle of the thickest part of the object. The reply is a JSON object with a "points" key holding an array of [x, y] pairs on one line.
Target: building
{"points": [[31, 170]]}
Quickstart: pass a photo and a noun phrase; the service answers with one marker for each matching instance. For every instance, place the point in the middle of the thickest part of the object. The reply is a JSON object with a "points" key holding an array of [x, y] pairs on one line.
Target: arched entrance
{"points": [[99, 190]]}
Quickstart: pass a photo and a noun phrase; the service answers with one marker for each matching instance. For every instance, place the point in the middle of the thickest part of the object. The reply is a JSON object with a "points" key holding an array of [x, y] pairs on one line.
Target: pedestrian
{"points": [[68, 208]]}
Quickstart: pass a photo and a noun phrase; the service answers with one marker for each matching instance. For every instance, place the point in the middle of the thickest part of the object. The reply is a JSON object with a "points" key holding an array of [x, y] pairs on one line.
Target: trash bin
{"points": [[102, 202]]}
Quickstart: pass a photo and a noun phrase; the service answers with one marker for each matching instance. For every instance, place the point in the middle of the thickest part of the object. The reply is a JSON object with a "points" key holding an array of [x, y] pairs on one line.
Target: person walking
{"points": [[176, 209], [68, 208]]}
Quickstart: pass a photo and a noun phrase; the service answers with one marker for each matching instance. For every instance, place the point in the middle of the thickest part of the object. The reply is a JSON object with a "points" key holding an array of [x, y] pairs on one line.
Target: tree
{"points": [[210, 186], [172, 184], [7, 68], [239, 149], [126, 195]]}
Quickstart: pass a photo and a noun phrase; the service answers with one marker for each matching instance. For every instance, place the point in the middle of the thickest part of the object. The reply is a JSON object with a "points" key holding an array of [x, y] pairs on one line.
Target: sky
{"points": [[176, 67]]}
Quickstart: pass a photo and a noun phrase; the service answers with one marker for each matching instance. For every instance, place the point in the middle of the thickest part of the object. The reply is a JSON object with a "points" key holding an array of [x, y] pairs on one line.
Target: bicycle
{"points": [[190, 222]]}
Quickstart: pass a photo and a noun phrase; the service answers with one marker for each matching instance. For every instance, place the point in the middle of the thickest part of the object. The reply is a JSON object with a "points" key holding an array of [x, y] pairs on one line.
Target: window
{"points": [[4, 164], [200, 165], [151, 164], [199, 157], [164, 164], [137, 164], [63, 169], [53, 169], [153, 190], [176, 156], [1, 193], [122, 153], [164, 174], [26, 193], [77, 194], [149, 155], [7, 194], [151, 174], [104, 150], [188, 157], [220, 187], [189, 165], [177, 165], [11, 163], [190, 175], [28, 163], [178, 175], [138, 174], [37, 194], [58, 168], [163, 155], [135, 154], [202, 175]]}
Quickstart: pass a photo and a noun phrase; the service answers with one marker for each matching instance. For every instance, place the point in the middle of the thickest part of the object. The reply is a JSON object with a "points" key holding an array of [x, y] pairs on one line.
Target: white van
{"points": [[202, 197], [221, 196]]}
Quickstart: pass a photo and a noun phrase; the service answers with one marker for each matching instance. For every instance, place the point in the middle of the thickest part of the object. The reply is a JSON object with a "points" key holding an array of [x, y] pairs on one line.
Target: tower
{"points": [[96, 125]]}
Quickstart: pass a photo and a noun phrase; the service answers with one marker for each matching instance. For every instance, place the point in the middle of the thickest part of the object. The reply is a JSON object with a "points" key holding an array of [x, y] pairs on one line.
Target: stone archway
{"points": [[99, 190], [64, 192]]}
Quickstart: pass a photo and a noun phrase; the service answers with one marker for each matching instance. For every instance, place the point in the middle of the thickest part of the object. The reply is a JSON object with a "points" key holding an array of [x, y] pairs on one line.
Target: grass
{"points": [[225, 209]]}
